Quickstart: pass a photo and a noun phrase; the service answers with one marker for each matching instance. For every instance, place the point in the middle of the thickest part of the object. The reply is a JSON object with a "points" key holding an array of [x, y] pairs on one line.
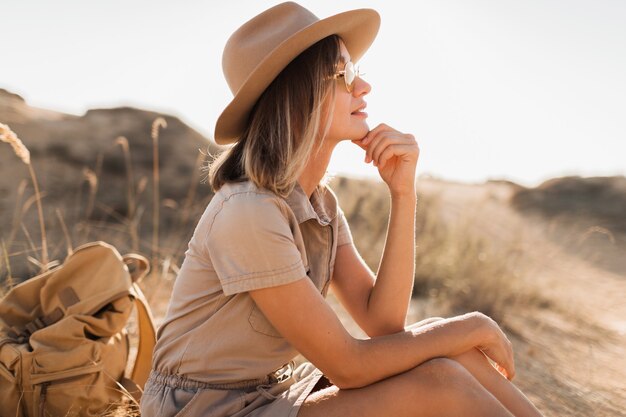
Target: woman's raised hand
{"points": [[495, 345], [395, 155]]}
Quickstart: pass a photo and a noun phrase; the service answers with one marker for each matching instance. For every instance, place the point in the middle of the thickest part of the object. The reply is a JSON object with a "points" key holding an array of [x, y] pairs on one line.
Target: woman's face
{"points": [[347, 123]]}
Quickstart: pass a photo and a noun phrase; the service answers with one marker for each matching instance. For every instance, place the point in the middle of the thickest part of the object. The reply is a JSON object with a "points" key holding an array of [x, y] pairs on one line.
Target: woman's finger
{"points": [[495, 365], [378, 143], [359, 143], [377, 139], [498, 361], [508, 366], [400, 138], [381, 143], [371, 142], [501, 358], [503, 372], [397, 150], [366, 140], [372, 133], [362, 144]]}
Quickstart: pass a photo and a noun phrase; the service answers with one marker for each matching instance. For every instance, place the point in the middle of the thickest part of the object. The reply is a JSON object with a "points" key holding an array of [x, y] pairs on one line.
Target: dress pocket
{"points": [[189, 402], [260, 324]]}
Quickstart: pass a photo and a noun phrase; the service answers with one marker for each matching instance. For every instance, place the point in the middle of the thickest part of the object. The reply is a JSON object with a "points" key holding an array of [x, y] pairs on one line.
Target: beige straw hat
{"points": [[259, 50]]}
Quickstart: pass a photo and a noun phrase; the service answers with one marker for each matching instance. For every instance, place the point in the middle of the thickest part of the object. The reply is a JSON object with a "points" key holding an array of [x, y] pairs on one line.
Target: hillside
{"points": [[83, 172], [585, 216]]}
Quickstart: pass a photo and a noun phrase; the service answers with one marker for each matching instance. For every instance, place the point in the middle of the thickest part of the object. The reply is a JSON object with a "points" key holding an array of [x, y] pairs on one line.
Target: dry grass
{"points": [[461, 271], [156, 202], [467, 271], [21, 151]]}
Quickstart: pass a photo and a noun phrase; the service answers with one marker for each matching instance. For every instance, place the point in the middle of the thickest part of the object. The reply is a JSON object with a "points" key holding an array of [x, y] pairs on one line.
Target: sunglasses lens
{"points": [[350, 75]]}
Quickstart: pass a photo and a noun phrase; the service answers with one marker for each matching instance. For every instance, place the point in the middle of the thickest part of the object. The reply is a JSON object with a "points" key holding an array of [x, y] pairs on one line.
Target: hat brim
{"points": [[357, 28]]}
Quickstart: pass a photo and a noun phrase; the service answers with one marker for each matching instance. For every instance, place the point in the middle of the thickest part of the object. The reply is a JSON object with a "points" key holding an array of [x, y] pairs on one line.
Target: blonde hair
{"points": [[286, 125]]}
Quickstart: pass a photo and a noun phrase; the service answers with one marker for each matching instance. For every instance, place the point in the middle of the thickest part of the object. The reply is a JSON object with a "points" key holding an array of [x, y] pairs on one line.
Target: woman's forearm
{"points": [[381, 357], [389, 299]]}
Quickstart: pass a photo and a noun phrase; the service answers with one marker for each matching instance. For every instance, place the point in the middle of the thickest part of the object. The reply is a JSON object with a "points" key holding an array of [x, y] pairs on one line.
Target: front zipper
{"points": [[330, 257], [44, 390], [42, 398]]}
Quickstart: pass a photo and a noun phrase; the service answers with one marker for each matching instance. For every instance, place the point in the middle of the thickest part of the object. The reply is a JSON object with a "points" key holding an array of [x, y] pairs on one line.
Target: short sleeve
{"points": [[344, 236], [251, 245]]}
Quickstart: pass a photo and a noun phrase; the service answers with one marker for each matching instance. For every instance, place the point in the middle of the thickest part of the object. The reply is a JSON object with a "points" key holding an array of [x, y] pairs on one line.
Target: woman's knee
{"points": [[446, 378], [442, 385], [441, 369]]}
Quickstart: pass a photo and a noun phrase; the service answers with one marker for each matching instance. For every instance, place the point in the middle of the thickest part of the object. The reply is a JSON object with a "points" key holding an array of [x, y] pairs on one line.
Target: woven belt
{"points": [[182, 381]]}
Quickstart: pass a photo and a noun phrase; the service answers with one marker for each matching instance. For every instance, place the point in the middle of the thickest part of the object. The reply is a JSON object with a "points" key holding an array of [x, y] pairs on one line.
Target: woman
{"points": [[250, 293]]}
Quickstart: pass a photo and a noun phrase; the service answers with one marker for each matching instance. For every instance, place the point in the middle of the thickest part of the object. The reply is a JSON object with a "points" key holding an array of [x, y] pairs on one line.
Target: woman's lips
{"points": [[359, 111]]}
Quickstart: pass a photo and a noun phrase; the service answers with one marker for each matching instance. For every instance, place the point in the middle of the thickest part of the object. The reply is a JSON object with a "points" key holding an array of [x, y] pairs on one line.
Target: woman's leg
{"points": [[439, 387], [503, 389]]}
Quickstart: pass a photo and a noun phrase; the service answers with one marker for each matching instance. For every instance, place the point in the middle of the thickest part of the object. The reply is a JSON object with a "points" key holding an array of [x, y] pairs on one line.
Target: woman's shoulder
{"points": [[245, 198], [244, 191]]}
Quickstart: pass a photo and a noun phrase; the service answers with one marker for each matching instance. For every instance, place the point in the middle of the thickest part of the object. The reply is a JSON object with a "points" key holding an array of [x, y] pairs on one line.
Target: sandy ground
{"points": [[571, 356]]}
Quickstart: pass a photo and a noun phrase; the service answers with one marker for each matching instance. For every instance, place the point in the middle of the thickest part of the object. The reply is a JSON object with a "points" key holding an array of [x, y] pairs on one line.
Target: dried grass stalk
{"points": [[159, 122], [8, 136], [65, 232], [9, 283], [92, 179], [130, 192], [22, 152]]}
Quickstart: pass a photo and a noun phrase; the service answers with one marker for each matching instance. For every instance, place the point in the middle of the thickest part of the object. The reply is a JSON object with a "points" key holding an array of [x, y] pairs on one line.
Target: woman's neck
{"points": [[315, 170]]}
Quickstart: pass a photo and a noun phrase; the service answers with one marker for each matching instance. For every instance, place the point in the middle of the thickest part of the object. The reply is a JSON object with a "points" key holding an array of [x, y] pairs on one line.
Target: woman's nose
{"points": [[361, 87]]}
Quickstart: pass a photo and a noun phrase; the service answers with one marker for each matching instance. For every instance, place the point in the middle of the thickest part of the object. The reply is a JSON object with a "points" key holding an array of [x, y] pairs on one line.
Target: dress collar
{"points": [[322, 206]]}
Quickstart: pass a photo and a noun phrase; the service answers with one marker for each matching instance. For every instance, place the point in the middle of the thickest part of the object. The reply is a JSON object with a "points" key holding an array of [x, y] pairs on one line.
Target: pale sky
{"points": [[492, 89]]}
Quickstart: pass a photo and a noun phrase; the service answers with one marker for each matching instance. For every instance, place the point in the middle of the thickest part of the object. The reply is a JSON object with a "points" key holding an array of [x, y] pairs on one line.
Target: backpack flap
{"points": [[21, 306], [90, 278]]}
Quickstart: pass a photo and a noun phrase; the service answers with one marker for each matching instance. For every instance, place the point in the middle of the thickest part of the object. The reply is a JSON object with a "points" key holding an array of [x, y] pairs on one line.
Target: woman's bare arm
{"points": [[389, 299], [395, 154], [379, 304], [302, 316]]}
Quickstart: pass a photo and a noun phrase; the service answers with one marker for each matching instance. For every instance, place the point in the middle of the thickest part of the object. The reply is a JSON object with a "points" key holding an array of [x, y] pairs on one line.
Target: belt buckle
{"points": [[283, 373]]}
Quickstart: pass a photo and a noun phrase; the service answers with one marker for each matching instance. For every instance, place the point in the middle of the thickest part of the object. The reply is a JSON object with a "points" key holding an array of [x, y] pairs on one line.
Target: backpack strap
{"points": [[138, 267], [147, 339]]}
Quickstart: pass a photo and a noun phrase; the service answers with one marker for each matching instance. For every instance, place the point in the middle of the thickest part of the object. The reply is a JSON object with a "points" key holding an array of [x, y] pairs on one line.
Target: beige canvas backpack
{"points": [[63, 340]]}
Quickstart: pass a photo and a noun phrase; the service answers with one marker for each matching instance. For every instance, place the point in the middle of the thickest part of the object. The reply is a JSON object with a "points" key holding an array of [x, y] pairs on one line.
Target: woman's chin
{"points": [[359, 132], [355, 133]]}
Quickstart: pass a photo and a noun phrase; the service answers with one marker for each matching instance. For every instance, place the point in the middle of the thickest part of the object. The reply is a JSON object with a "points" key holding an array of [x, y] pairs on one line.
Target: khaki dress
{"points": [[216, 353]]}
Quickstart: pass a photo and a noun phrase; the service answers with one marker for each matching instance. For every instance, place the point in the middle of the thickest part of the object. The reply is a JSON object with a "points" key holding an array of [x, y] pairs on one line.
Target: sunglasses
{"points": [[349, 74]]}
